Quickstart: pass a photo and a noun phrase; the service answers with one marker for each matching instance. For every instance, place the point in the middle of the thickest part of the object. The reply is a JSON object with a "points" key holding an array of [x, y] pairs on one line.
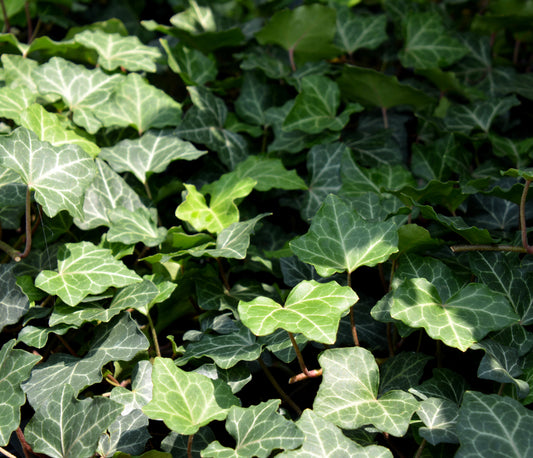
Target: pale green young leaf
{"points": [[15, 367], [13, 302], [107, 191], [356, 31], [460, 320], [138, 104], [18, 72], [82, 90], [84, 269], [339, 240], [428, 43], [311, 308], [119, 340], [151, 153], [51, 128], [59, 176], [307, 31], [257, 430], [325, 440], [15, 100], [222, 210], [269, 173], [116, 51], [132, 226], [440, 420], [65, 427], [186, 401], [482, 431], [348, 394]]}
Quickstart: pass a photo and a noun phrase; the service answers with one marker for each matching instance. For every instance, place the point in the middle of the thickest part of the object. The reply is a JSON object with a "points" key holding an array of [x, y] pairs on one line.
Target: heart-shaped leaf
{"points": [[13, 302], [133, 226], [440, 420], [356, 31], [58, 175], [84, 269], [339, 240], [186, 401], [312, 309], [348, 394], [257, 431], [14, 101]]}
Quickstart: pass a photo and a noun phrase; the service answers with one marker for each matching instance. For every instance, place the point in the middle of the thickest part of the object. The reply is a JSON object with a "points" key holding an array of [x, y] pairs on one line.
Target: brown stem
{"points": [[28, 21], [12, 252], [189, 446], [463, 248], [27, 248], [352, 315], [299, 355], [420, 449], [66, 345], [223, 275], [26, 448], [313, 373], [390, 343], [385, 117], [523, 227], [291, 59], [516, 51], [500, 391], [278, 388], [7, 26]]}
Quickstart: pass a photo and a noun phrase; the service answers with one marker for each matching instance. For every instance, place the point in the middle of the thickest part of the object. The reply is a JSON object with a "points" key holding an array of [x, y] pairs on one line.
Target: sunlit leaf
{"points": [[13, 302], [133, 226], [440, 420]]}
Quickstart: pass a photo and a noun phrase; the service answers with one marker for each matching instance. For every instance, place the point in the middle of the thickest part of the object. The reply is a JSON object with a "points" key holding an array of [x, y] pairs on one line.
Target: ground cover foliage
{"points": [[266, 228]]}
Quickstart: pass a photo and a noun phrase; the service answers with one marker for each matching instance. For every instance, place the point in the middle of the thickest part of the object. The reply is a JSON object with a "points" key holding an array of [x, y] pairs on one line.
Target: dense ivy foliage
{"points": [[240, 228]]}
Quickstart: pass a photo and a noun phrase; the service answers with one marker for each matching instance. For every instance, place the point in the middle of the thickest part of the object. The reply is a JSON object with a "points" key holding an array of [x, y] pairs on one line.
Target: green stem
{"points": [[420, 449], [12, 252], [7, 26], [299, 355], [463, 248], [278, 388], [223, 275], [523, 227], [28, 21], [154, 335]]}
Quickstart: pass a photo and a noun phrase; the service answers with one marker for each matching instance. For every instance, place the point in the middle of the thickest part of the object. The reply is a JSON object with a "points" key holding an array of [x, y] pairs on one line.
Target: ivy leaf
{"points": [[14, 101], [509, 438], [445, 384], [58, 175], [355, 31], [176, 444], [151, 153], [459, 321], [186, 401], [119, 340], [440, 420], [13, 302], [373, 88], [49, 128], [81, 89], [269, 173], [150, 107], [325, 440], [18, 72], [116, 51], [312, 309], [225, 350], [402, 371], [15, 368], [307, 32], [107, 191], [257, 430], [348, 394], [128, 433], [254, 99], [339, 240], [133, 226], [428, 44], [222, 210], [84, 269], [65, 427]]}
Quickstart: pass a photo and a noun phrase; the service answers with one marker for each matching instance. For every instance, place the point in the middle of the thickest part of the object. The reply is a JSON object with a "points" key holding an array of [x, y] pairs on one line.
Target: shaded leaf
{"points": [[254, 99], [13, 302], [440, 420], [356, 31]]}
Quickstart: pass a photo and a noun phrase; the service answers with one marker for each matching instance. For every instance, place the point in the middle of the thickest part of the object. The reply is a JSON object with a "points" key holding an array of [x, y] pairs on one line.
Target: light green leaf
{"points": [[315, 108], [186, 401], [106, 192], [119, 340], [348, 394], [151, 153], [58, 175], [355, 32], [459, 321], [192, 65], [133, 226], [15, 367], [311, 308], [373, 88], [13, 101], [13, 302], [81, 89], [204, 123], [482, 432], [65, 427], [116, 51], [18, 72], [269, 173], [428, 43], [222, 210], [137, 103], [257, 430], [84, 269], [339, 240], [225, 350], [440, 420], [306, 31], [325, 440], [50, 128]]}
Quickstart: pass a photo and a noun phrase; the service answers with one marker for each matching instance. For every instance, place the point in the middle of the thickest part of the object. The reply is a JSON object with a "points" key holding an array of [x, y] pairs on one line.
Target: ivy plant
{"points": [[266, 228]]}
